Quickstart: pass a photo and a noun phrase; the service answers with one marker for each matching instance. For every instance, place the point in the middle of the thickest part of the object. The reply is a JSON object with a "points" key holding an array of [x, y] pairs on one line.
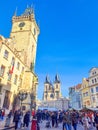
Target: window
{"points": [[86, 93], [6, 53], [49, 87], [2, 69], [46, 97], [46, 87], [93, 99], [92, 90], [15, 79], [96, 89], [13, 61], [9, 76], [95, 80], [18, 65], [56, 86], [92, 81]]}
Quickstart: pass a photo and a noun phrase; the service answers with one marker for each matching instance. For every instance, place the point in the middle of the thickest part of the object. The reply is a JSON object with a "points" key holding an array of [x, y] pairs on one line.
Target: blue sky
{"points": [[68, 40]]}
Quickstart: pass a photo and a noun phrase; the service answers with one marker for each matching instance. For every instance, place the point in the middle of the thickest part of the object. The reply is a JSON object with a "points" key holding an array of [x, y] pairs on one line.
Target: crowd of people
{"points": [[68, 119]]}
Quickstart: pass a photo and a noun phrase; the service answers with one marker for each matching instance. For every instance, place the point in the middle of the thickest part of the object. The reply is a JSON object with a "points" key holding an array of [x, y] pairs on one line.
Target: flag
{"points": [[12, 69]]}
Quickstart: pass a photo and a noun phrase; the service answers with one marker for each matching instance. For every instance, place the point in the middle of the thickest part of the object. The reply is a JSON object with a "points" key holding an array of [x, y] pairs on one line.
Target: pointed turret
{"points": [[47, 79], [28, 11], [15, 13], [57, 80]]}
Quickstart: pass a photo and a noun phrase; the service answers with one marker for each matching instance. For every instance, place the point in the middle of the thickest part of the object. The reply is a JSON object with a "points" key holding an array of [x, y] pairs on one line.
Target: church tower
{"points": [[48, 90], [25, 32], [57, 87]]}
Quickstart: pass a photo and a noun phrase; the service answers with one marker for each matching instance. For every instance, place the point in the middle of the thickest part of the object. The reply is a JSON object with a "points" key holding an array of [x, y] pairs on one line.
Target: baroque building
{"points": [[18, 56], [52, 91]]}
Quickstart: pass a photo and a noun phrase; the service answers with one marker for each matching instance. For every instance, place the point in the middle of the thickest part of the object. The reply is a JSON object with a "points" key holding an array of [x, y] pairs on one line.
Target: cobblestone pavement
{"points": [[42, 127]]}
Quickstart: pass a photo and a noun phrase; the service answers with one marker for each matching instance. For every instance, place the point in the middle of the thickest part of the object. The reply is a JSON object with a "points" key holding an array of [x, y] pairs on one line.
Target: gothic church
{"points": [[52, 91]]}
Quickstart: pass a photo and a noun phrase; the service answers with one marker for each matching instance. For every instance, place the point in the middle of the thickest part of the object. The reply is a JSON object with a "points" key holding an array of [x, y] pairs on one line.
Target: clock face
{"points": [[21, 24]]}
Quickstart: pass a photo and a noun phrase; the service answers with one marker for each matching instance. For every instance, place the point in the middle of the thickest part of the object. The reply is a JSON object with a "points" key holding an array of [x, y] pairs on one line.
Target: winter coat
{"points": [[27, 117], [96, 119]]}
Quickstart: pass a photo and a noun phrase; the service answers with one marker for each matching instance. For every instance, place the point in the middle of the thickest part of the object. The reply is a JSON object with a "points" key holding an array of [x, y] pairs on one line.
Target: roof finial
{"points": [[15, 12]]}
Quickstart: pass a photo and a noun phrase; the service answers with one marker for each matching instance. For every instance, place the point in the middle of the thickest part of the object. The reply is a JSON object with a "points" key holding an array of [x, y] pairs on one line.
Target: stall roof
{"points": [[47, 108]]}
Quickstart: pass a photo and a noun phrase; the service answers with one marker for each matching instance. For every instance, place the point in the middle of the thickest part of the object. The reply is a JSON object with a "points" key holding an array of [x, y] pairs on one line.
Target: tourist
{"points": [[96, 121], [26, 119]]}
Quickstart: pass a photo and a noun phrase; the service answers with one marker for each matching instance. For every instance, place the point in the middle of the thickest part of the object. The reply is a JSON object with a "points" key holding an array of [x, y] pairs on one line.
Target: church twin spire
{"points": [[57, 79], [52, 91]]}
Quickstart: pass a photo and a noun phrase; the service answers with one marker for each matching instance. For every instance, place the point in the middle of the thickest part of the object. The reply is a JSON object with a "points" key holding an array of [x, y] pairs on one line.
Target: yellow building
{"points": [[17, 60], [85, 91]]}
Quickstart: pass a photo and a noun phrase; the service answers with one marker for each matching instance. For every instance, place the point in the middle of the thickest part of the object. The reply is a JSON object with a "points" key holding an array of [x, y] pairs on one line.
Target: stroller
{"points": [[48, 124]]}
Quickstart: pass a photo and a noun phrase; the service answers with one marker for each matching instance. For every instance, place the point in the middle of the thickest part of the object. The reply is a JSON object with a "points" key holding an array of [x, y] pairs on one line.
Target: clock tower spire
{"points": [[25, 32]]}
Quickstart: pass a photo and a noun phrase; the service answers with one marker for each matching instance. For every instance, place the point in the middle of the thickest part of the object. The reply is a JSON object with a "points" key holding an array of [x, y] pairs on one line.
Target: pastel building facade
{"points": [[75, 97], [85, 91]]}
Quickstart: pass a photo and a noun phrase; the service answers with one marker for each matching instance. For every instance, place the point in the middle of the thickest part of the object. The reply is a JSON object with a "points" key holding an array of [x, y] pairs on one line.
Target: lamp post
{"points": [[33, 104], [22, 96]]}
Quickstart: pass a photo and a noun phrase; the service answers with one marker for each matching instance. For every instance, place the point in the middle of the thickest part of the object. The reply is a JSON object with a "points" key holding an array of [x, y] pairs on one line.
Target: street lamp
{"points": [[22, 96]]}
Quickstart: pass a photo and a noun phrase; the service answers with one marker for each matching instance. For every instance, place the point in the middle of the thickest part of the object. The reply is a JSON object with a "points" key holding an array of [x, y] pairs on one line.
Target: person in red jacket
{"points": [[3, 114], [33, 113]]}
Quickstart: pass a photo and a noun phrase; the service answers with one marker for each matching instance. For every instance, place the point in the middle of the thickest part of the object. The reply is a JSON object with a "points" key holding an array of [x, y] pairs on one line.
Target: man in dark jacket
{"points": [[16, 119], [96, 121], [26, 119]]}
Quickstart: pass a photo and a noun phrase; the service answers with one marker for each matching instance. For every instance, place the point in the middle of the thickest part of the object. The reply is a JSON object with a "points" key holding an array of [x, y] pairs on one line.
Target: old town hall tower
{"points": [[25, 32]]}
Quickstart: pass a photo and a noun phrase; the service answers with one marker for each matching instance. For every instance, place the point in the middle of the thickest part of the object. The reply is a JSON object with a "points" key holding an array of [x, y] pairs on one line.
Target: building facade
{"points": [[18, 55], [85, 91], [93, 85], [75, 97]]}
